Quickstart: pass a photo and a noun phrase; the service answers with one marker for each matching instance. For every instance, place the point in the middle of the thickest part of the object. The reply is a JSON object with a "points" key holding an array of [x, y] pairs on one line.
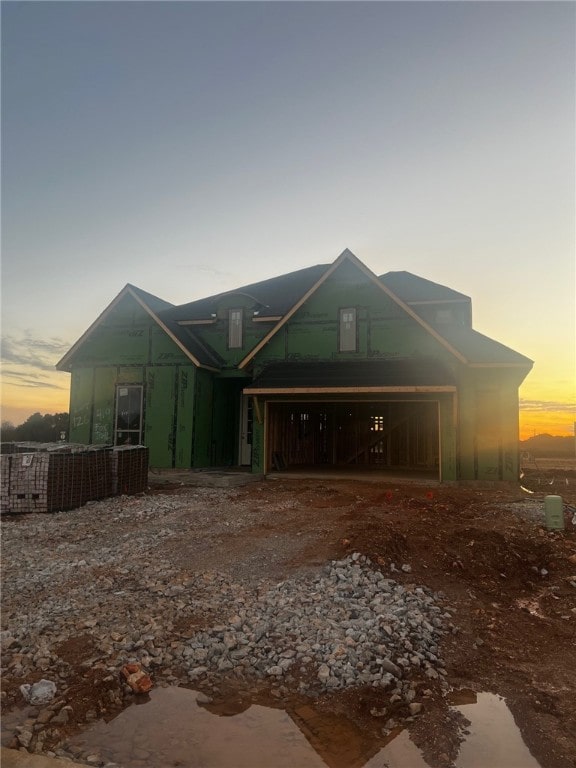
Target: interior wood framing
{"points": [[399, 434]]}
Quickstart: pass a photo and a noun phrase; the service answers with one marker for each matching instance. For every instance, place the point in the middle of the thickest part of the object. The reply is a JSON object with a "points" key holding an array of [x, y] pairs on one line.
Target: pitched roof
{"points": [[280, 297], [202, 353], [348, 256], [480, 350], [414, 289], [275, 295], [401, 374]]}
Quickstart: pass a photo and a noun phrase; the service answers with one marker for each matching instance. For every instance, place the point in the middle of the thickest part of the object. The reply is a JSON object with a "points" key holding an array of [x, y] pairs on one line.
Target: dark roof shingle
{"points": [[276, 296], [480, 349], [372, 373], [412, 288]]}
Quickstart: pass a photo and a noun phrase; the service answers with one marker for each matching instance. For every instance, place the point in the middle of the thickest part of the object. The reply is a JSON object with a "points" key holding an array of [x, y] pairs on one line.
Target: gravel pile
{"points": [[351, 626]]}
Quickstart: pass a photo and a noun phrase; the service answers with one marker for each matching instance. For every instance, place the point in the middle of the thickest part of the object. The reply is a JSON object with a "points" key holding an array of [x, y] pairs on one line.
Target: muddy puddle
{"points": [[173, 728], [494, 739]]}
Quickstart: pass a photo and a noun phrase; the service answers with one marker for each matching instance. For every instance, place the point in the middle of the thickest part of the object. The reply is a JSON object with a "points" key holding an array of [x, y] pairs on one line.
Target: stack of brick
{"points": [[69, 476], [66, 481], [5, 467], [64, 485], [129, 469], [97, 475], [28, 486]]}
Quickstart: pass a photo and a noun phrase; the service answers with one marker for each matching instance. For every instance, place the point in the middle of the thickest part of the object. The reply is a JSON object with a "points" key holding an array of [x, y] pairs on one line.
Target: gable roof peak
{"points": [[347, 255], [153, 302], [154, 307]]}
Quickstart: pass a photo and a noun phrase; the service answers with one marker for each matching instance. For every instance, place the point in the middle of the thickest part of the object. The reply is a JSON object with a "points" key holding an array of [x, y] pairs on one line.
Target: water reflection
{"points": [[173, 729], [401, 752], [494, 738]]}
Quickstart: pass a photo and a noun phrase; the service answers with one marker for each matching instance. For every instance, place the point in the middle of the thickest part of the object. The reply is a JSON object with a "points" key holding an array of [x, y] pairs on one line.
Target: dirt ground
{"points": [[506, 576]]}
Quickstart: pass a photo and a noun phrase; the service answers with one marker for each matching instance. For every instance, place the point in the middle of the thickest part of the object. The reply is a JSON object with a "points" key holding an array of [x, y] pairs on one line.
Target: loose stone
{"points": [[346, 625]]}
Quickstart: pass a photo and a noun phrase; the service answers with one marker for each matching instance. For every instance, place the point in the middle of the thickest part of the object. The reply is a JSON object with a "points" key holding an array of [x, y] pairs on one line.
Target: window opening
{"points": [[348, 330], [128, 429], [235, 328]]}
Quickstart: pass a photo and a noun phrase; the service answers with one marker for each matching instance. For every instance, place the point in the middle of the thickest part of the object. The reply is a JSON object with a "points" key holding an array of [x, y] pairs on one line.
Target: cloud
{"points": [[27, 350], [547, 406], [29, 362], [55, 345], [30, 380], [208, 269]]}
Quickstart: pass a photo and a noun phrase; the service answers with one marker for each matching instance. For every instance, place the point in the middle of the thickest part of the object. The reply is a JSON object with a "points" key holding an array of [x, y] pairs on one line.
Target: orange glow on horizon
{"points": [[558, 424], [20, 402], [547, 406]]}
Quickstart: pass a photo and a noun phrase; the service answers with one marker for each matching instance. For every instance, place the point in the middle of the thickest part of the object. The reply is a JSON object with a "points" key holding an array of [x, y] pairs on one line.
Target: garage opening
{"points": [[368, 435]]}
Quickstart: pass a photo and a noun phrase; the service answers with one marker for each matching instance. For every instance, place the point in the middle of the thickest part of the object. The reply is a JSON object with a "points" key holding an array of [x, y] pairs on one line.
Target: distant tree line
{"points": [[548, 446], [37, 428]]}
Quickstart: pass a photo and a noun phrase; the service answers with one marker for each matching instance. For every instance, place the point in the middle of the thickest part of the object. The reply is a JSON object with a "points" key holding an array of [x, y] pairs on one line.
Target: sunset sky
{"points": [[190, 148]]}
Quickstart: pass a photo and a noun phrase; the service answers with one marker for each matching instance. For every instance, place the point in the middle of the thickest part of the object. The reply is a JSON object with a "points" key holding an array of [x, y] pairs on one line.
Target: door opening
{"points": [[129, 407]]}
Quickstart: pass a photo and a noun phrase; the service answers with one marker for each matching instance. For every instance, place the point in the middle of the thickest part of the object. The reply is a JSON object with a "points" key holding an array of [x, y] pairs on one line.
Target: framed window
{"points": [[234, 329], [129, 406], [347, 330]]}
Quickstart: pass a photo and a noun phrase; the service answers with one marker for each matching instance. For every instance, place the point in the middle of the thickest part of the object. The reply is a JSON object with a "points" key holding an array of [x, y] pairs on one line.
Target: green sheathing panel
{"points": [[185, 416], [488, 438], [163, 350], [488, 424], [466, 421], [104, 405], [510, 427], [168, 403], [133, 375], [384, 330], [93, 401], [216, 333], [81, 384], [202, 419], [121, 338], [129, 347], [160, 415]]}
